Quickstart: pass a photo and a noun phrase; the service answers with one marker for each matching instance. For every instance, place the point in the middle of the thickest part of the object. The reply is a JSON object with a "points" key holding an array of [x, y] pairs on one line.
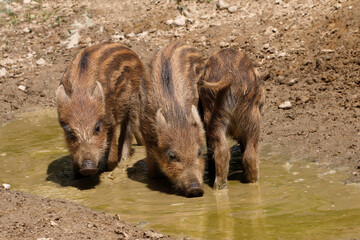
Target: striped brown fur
{"points": [[170, 123], [233, 109], [98, 91]]}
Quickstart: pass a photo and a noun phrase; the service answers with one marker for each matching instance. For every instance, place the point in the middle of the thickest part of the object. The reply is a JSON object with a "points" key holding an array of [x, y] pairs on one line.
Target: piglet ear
{"points": [[160, 120], [61, 96], [195, 116], [98, 93]]}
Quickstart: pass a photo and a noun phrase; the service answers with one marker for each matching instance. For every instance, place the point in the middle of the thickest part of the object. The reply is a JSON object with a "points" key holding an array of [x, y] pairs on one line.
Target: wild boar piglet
{"points": [[231, 98], [99, 91], [169, 120]]}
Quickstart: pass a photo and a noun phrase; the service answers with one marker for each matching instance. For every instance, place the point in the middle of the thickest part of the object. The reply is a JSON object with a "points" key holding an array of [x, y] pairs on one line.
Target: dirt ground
{"points": [[308, 53]]}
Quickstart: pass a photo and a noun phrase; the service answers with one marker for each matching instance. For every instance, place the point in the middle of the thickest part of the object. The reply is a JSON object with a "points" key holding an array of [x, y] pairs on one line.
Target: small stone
{"points": [[180, 20], [222, 5], [22, 87], [130, 35], [73, 40], [118, 37], [7, 61], [169, 22], [40, 62], [278, 2], [282, 54], [186, 13], [327, 50], [203, 39], [3, 72], [292, 82], [27, 1], [285, 105], [53, 224], [232, 9], [266, 46], [223, 44], [153, 235], [26, 30], [143, 34], [6, 186], [303, 99]]}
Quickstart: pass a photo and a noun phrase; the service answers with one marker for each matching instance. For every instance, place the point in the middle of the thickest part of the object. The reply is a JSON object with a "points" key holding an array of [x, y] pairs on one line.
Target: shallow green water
{"points": [[294, 198]]}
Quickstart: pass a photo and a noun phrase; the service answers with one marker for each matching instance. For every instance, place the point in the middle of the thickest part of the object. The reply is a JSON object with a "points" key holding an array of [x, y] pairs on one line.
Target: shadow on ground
{"points": [[138, 172], [60, 172]]}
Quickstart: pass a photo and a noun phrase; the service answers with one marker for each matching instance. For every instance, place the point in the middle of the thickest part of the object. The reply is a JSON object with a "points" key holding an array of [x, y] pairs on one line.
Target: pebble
{"points": [[26, 30], [187, 13], [285, 105], [6, 186], [153, 235], [73, 40], [278, 2], [282, 54], [7, 61], [3, 72], [222, 5], [53, 224], [180, 20], [27, 1], [40, 62], [232, 9], [266, 46], [292, 82], [169, 22], [203, 39], [130, 35], [22, 87], [223, 44]]}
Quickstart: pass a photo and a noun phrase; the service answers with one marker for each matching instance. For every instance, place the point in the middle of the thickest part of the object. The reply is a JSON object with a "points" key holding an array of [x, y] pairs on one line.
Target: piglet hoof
{"points": [[219, 184], [88, 168], [251, 178], [194, 190]]}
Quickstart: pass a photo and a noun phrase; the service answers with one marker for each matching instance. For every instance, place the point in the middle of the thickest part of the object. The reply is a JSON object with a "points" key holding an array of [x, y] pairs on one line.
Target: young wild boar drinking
{"points": [[169, 120], [233, 109], [98, 91]]}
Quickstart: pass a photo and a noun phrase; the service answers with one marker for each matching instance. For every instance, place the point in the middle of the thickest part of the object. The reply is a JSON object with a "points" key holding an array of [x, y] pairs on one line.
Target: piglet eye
{"points": [[171, 155], [199, 152], [97, 127], [70, 135]]}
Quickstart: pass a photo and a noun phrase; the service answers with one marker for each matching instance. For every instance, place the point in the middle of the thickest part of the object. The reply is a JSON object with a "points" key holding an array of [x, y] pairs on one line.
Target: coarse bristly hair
{"points": [[99, 91], [231, 100], [170, 122]]}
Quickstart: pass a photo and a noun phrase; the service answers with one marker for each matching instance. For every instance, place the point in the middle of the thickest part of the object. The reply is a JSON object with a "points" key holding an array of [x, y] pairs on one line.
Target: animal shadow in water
{"points": [[138, 172], [235, 167], [60, 171]]}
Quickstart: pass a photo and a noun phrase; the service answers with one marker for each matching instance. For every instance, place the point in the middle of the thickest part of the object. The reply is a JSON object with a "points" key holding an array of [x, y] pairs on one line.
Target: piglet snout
{"points": [[194, 190], [88, 168]]}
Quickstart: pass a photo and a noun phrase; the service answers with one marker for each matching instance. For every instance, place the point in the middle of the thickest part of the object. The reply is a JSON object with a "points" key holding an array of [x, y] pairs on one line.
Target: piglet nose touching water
{"points": [[99, 91], [169, 119]]}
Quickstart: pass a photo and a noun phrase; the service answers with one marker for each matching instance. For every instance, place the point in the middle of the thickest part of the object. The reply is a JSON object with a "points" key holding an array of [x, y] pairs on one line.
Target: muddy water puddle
{"points": [[294, 199]]}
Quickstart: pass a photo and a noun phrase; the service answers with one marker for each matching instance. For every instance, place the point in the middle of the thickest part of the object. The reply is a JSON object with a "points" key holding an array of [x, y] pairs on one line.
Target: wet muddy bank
{"points": [[25, 216]]}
